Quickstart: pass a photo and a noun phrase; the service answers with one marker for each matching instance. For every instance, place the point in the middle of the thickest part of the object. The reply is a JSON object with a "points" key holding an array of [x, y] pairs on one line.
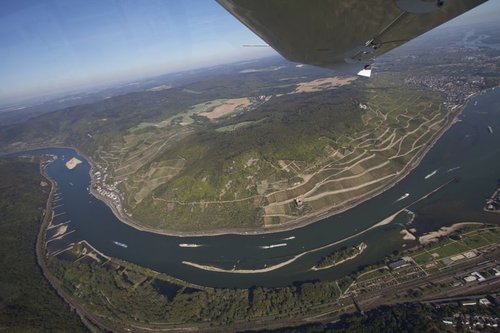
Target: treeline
{"points": [[27, 302], [336, 256], [409, 318], [119, 294]]}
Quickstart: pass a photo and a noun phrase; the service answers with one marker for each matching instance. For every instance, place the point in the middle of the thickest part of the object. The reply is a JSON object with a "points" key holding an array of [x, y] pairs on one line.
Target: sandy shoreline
{"points": [[87, 318], [383, 222], [362, 248], [298, 223], [444, 231]]}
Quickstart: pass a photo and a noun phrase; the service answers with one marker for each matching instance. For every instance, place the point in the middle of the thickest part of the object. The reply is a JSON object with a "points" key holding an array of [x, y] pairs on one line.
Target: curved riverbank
{"points": [[362, 247], [87, 318], [444, 231], [95, 222], [297, 223], [385, 221]]}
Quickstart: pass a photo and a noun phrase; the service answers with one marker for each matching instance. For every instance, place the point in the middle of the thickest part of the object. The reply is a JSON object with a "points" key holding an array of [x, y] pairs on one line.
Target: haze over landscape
{"points": [[83, 44], [157, 175]]}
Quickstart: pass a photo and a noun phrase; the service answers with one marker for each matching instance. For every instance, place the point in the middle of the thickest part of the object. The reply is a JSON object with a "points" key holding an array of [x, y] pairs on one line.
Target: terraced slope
{"points": [[272, 159]]}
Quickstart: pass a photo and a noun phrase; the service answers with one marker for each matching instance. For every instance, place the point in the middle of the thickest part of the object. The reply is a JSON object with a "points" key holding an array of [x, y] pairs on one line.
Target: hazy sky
{"points": [[52, 45]]}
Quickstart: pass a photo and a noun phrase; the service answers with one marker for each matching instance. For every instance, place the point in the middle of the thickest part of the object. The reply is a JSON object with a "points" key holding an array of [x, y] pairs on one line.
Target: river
{"points": [[467, 152]]}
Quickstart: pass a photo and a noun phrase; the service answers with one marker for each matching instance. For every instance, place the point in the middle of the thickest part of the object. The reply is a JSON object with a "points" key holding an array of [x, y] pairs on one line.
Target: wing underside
{"points": [[342, 34]]}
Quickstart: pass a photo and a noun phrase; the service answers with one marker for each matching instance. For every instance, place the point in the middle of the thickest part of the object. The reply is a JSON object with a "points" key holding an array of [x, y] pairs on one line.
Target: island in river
{"points": [[72, 163], [340, 256]]}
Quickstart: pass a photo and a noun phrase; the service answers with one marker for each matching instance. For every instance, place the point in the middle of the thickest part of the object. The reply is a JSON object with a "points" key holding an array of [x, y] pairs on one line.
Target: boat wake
{"points": [[404, 196], [453, 169], [265, 247], [431, 174]]}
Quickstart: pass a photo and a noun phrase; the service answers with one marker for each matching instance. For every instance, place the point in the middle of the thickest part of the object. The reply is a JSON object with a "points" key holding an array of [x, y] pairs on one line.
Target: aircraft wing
{"points": [[342, 34]]}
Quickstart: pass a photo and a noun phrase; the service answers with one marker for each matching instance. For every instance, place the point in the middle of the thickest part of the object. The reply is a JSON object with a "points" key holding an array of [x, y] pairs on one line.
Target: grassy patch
{"points": [[475, 241], [378, 273], [492, 235], [423, 258], [450, 249]]}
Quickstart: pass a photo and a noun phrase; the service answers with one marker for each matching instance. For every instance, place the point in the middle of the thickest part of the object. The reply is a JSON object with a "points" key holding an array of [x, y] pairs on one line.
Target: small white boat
{"points": [[289, 238], [265, 247], [189, 245], [120, 244], [431, 174], [453, 169]]}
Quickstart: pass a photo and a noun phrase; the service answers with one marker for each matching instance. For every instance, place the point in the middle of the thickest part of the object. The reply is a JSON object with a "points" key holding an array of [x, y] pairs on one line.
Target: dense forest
{"points": [[410, 318], [27, 302]]}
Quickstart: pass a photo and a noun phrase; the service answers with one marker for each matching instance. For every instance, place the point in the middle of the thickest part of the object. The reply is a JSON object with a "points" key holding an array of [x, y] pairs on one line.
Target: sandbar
{"points": [[444, 231], [72, 163]]}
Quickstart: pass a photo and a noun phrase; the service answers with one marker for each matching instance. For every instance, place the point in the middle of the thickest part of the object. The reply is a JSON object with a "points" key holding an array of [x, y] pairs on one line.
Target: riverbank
{"points": [[383, 222], [315, 310], [87, 318], [444, 231], [361, 248], [492, 203], [296, 224]]}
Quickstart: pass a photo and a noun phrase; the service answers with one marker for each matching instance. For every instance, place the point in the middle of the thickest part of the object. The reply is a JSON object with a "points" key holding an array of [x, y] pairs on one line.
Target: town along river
{"points": [[468, 153]]}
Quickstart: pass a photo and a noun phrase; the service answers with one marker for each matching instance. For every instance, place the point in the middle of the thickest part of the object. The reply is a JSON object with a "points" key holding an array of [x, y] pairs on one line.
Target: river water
{"points": [[467, 152]]}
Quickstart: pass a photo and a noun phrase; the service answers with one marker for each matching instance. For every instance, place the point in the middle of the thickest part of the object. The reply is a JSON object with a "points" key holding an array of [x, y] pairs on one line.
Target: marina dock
{"points": [[493, 203]]}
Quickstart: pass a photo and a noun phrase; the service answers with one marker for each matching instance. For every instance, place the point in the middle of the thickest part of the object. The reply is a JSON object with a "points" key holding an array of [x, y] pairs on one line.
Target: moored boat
{"points": [[265, 247], [189, 245], [120, 244]]}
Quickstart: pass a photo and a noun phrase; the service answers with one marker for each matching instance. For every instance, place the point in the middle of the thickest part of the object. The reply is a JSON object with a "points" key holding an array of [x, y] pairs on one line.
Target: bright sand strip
{"points": [[385, 221], [407, 235], [72, 163], [60, 231], [60, 236], [444, 231], [229, 106], [321, 84]]}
